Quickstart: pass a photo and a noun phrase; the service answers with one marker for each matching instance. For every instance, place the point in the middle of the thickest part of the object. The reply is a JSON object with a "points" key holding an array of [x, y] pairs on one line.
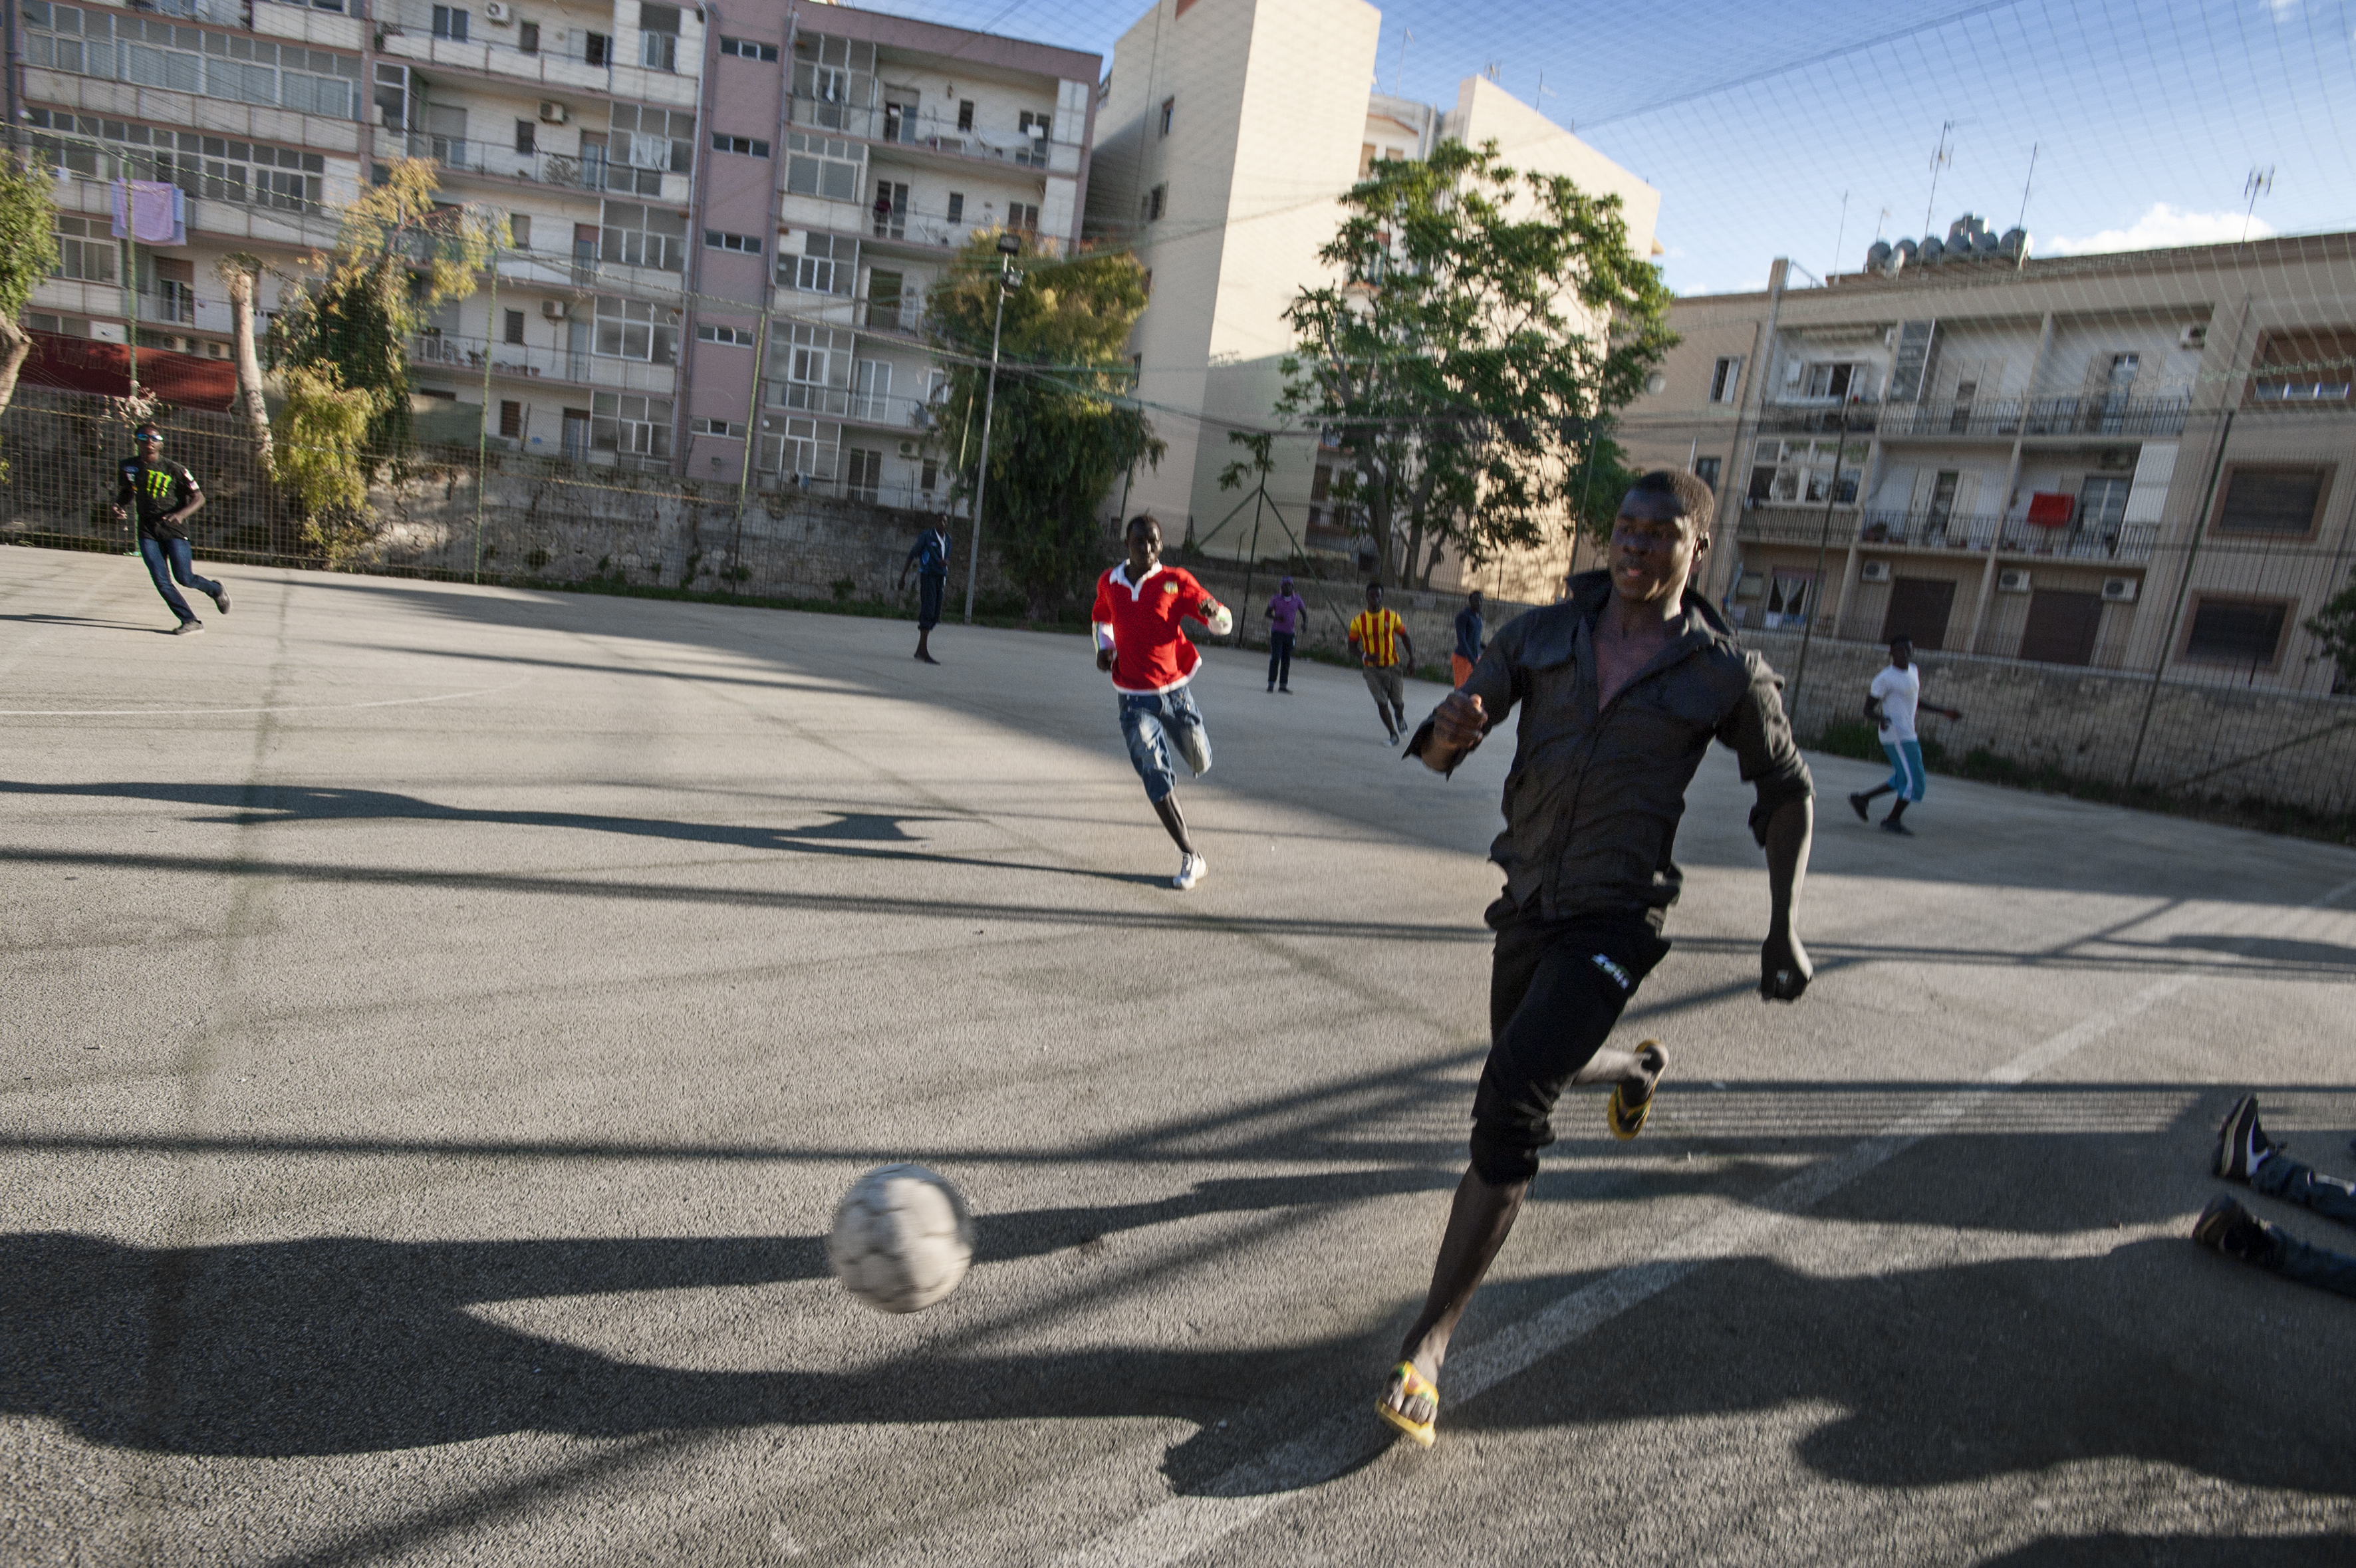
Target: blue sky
{"points": [[2148, 116]]}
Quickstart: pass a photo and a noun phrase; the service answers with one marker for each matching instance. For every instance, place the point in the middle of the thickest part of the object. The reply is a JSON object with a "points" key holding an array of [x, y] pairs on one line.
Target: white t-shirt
{"points": [[1898, 691]]}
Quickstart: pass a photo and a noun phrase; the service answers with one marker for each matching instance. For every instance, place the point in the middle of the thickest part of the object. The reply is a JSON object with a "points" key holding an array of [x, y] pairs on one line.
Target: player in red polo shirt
{"points": [[1138, 605]]}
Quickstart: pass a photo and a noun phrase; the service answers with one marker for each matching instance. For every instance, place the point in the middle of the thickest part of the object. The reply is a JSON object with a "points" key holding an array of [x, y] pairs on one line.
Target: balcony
{"points": [[518, 362], [500, 161], [1929, 528], [934, 134], [907, 495], [2007, 417], [406, 32]]}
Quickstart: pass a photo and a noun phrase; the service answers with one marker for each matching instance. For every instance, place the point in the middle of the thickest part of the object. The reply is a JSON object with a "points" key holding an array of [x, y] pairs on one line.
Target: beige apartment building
{"points": [[1226, 131], [2118, 461]]}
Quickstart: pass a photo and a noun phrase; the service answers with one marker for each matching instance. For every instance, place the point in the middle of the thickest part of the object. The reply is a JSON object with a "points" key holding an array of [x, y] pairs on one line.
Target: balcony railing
{"points": [[515, 362], [906, 493], [935, 134], [502, 161], [407, 27], [2000, 417], [1928, 528]]}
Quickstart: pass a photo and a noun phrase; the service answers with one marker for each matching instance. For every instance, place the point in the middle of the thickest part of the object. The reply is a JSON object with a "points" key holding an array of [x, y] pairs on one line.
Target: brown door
{"points": [[1919, 608], [2062, 626]]}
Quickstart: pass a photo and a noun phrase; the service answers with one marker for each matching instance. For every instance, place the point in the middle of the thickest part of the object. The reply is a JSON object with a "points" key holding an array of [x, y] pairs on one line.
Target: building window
{"points": [[862, 473], [2247, 632], [659, 37], [738, 336], [653, 141], [821, 165], [731, 429], [2278, 501], [1806, 470], [153, 52], [449, 22], [514, 324], [817, 365], [2304, 367], [86, 250], [1725, 379], [746, 147], [957, 206], [1157, 201], [527, 136], [744, 245], [1366, 159], [965, 113], [1169, 108], [640, 236], [1022, 216], [825, 266], [1837, 380], [511, 421], [596, 49], [519, 231], [746, 49], [527, 37], [630, 426], [1705, 471], [635, 330], [929, 479], [1321, 483], [796, 449]]}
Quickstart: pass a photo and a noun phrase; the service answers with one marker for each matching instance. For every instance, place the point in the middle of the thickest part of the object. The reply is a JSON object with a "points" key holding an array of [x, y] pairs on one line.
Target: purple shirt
{"points": [[1284, 613]]}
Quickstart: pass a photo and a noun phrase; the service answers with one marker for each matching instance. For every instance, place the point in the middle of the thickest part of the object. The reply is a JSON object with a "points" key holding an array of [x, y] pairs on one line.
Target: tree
{"points": [[2334, 625], [399, 254], [238, 273], [1066, 422], [1486, 326], [29, 250]]}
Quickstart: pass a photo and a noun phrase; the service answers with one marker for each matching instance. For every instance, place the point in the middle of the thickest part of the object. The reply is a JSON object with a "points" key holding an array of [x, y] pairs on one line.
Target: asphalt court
{"points": [[440, 1021]]}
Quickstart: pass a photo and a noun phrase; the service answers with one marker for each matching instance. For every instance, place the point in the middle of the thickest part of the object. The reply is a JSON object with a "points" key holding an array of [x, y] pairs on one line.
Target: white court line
{"points": [[1178, 1527], [213, 712]]}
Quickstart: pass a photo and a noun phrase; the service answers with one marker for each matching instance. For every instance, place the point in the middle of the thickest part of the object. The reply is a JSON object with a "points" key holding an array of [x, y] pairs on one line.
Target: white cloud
{"points": [[2164, 225]]}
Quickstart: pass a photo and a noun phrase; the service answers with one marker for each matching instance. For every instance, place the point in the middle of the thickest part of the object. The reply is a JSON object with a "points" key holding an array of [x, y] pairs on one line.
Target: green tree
{"points": [[1486, 325], [2334, 625], [29, 250], [238, 272], [399, 254], [1067, 425]]}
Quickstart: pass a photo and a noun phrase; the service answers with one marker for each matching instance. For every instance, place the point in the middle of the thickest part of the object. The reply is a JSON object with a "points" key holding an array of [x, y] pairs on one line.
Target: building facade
{"points": [[724, 221], [1228, 132], [2132, 461]]}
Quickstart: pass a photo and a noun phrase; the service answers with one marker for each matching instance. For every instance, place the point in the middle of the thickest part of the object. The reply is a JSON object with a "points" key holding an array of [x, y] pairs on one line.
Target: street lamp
{"points": [[1008, 279]]}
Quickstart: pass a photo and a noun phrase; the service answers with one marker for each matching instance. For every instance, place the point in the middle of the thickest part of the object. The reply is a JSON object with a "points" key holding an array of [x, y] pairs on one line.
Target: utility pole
{"points": [[1009, 280], [483, 440]]}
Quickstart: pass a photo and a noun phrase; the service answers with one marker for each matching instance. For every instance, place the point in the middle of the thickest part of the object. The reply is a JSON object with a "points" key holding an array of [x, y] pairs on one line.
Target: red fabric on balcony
{"points": [[2050, 509], [84, 364]]}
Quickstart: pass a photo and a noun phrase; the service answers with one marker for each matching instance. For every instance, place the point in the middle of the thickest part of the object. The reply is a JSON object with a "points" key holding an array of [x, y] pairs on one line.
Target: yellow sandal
{"points": [[1412, 1385]]}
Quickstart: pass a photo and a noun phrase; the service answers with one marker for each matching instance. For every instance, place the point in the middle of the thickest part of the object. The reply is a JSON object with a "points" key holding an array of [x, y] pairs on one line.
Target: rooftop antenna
{"points": [[2021, 222], [1939, 160], [1491, 70], [1544, 92], [2261, 182], [1398, 67], [1841, 235], [1881, 223]]}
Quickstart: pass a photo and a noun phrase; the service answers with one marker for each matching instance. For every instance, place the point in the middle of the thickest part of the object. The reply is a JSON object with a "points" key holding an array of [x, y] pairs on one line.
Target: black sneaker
{"points": [[2241, 1142], [1857, 803], [2226, 1227], [185, 626], [1892, 825], [220, 600]]}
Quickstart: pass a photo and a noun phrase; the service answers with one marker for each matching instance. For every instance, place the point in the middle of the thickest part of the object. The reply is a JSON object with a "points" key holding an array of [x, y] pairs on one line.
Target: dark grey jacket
{"points": [[1593, 800]]}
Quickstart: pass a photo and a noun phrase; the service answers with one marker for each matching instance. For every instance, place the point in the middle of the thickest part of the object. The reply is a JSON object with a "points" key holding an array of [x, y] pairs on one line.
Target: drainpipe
{"points": [[1762, 349]]}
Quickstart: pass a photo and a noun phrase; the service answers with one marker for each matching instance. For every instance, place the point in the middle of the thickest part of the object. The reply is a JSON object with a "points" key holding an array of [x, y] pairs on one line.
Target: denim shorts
{"points": [[1152, 725]]}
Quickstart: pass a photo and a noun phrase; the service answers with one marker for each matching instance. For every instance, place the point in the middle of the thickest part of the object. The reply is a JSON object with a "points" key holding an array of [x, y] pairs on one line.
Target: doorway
{"points": [[1919, 609], [2062, 626]]}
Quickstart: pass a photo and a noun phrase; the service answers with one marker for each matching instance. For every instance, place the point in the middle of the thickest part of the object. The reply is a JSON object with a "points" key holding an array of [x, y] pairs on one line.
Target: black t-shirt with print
{"points": [[158, 489]]}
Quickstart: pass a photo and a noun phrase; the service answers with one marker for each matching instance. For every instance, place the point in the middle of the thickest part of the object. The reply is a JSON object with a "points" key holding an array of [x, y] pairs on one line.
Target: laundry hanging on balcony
{"points": [[151, 212], [2050, 509]]}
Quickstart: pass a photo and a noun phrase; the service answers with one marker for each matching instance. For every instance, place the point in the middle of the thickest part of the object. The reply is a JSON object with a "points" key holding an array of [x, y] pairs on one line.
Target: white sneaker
{"points": [[1192, 868]]}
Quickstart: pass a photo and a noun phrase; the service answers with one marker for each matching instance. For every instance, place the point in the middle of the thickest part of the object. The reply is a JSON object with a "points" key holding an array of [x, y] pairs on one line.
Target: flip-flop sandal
{"points": [[1625, 1113], [1412, 1385]]}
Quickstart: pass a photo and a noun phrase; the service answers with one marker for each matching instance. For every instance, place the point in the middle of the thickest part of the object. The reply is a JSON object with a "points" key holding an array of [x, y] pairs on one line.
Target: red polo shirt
{"points": [[1150, 653]]}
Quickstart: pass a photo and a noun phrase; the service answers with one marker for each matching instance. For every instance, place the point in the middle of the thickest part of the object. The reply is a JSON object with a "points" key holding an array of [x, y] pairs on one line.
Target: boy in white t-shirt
{"points": [[1891, 703]]}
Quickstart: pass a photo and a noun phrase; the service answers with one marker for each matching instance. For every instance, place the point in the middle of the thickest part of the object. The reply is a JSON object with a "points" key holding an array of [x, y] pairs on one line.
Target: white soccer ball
{"points": [[902, 1239]]}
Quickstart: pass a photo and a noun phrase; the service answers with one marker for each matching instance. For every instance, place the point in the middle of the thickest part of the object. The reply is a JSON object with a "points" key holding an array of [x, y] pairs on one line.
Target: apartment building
{"points": [[2113, 461], [725, 223], [1228, 131]]}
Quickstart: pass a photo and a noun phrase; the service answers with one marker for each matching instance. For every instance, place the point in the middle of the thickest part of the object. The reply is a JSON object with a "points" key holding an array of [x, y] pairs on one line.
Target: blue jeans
{"points": [[1152, 726], [1280, 658], [2281, 1176], [1906, 776], [156, 553]]}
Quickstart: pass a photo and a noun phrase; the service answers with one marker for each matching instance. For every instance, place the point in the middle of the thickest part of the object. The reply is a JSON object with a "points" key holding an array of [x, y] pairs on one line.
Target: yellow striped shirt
{"points": [[1376, 633]]}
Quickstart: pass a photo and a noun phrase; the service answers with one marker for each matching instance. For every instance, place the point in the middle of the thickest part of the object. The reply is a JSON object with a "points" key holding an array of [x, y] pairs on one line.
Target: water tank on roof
{"points": [[1962, 229], [1932, 253], [2015, 244], [1877, 257], [1906, 248]]}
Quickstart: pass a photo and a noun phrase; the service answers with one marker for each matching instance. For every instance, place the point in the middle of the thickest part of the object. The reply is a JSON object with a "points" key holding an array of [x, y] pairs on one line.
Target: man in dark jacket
{"points": [[1622, 687], [929, 558], [165, 494]]}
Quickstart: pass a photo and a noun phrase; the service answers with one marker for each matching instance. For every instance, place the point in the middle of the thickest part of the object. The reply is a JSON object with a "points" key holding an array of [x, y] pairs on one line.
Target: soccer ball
{"points": [[902, 1239]]}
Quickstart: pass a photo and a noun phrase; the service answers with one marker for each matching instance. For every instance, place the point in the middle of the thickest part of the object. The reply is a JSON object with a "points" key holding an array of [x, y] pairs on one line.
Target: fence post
{"points": [[483, 436], [2183, 586]]}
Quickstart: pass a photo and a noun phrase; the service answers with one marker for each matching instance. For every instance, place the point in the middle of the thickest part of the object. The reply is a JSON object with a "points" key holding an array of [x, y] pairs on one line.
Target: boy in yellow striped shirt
{"points": [[1384, 650]]}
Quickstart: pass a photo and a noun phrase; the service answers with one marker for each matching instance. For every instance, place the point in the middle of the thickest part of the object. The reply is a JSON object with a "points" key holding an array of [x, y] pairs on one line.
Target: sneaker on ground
{"points": [[1892, 825], [1857, 803], [186, 626], [2226, 1227], [220, 599], [1192, 868], [2242, 1143]]}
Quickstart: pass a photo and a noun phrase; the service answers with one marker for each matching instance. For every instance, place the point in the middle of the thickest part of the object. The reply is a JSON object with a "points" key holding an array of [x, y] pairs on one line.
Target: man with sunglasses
{"points": [[165, 494], [1622, 687]]}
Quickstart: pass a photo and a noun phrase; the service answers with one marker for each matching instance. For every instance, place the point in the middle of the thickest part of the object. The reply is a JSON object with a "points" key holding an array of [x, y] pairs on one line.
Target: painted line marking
{"points": [[216, 713]]}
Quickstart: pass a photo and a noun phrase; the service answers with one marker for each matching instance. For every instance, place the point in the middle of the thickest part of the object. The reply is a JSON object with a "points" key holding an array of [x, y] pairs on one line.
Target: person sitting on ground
{"points": [[2244, 1153]]}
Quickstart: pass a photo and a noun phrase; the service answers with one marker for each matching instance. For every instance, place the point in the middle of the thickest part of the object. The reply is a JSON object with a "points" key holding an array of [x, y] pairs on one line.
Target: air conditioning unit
{"points": [[552, 309], [555, 114], [495, 11], [2193, 336], [2120, 590], [907, 448], [2013, 582], [1873, 571]]}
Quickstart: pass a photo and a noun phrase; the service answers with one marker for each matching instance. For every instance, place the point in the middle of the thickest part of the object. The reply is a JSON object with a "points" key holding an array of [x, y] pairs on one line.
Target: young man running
{"points": [[165, 494], [929, 556], [1138, 605], [1890, 703], [1384, 649], [1622, 687]]}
